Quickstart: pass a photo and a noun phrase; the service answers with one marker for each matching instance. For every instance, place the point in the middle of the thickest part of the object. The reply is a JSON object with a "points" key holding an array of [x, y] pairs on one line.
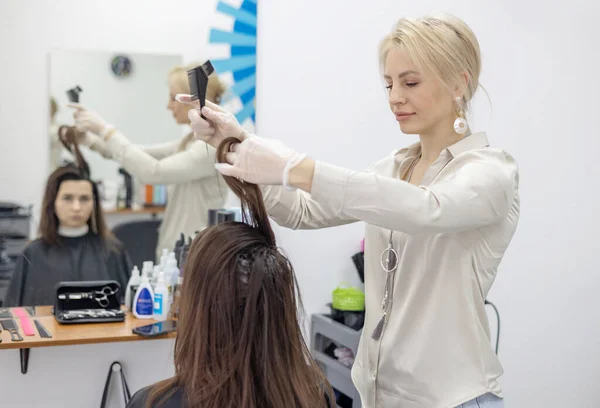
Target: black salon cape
{"points": [[41, 266], [140, 398]]}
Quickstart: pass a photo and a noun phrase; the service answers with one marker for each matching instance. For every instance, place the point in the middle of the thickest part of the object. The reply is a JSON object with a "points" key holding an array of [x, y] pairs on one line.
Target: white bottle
{"points": [[161, 298], [143, 302], [147, 268], [157, 271], [175, 270], [160, 266], [132, 286], [163, 258], [172, 256]]}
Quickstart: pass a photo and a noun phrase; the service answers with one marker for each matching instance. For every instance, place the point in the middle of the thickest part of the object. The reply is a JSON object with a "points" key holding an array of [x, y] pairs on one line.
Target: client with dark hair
{"points": [[74, 243], [239, 343]]}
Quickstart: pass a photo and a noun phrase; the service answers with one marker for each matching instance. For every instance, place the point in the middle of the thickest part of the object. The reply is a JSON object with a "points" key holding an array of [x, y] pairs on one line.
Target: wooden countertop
{"points": [[72, 334]]}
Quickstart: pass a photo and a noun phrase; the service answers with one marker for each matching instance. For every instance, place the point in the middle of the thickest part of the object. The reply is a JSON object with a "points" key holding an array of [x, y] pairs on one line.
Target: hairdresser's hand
{"points": [[88, 121], [218, 125], [261, 161]]}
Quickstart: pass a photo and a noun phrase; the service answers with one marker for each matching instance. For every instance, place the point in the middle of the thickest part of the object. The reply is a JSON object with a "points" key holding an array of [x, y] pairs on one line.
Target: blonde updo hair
{"points": [[178, 79], [442, 44]]}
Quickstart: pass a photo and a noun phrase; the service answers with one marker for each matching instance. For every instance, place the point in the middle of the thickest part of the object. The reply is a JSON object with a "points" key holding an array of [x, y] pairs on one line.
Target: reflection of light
{"points": [[242, 62]]}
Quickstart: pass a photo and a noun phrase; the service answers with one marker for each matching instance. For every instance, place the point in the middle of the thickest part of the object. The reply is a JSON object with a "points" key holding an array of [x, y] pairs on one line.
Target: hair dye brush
{"points": [[73, 94], [198, 81]]}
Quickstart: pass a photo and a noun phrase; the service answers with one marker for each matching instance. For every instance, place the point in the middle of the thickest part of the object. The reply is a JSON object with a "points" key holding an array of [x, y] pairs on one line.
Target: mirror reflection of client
{"points": [[74, 243], [186, 165], [239, 343]]}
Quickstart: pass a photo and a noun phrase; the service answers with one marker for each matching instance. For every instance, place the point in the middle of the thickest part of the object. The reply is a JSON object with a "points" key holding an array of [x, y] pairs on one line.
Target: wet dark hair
{"points": [[69, 136]]}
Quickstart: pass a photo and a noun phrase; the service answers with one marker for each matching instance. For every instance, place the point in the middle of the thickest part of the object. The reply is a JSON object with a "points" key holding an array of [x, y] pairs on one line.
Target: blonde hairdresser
{"points": [[440, 215]]}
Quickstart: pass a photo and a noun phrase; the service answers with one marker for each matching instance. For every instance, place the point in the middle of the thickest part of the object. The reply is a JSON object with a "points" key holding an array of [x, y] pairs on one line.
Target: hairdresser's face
{"points": [[74, 203], [178, 109], [418, 99]]}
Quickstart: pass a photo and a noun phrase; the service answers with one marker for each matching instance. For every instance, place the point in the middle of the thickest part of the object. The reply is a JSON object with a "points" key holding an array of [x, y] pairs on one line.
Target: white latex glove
{"points": [[89, 139], [218, 125], [88, 121], [261, 161]]}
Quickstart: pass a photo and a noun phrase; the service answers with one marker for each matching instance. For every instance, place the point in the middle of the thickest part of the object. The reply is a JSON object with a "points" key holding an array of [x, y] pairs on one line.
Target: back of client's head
{"points": [[239, 342]]}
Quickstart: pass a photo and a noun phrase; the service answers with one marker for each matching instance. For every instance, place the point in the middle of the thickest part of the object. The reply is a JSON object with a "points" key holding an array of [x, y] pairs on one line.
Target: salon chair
{"points": [[7, 267], [139, 238], [14, 233]]}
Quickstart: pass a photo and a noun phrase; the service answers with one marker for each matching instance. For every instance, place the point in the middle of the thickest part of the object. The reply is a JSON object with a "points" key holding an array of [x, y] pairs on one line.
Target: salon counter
{"points": [[69, 369], [73, 334]]}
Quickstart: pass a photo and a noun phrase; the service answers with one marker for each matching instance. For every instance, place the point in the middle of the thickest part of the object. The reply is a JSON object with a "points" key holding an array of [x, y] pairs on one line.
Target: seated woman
{"points": [[74, 242], [239, 343]]}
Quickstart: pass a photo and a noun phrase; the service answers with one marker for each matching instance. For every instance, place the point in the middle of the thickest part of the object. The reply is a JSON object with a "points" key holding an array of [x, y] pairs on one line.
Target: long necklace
{"points": [[389, 264]]}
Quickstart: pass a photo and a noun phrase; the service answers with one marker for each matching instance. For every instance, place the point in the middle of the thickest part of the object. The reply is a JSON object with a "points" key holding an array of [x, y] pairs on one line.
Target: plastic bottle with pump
{"points": [[132, 286], [161, 298], [150, 269], [163, 257], [143, 302], [159, 267], [155, 274]]}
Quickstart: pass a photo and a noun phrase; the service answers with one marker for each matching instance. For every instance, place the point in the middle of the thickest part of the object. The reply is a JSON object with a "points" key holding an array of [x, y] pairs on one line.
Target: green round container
{"points": [[347, 298]]}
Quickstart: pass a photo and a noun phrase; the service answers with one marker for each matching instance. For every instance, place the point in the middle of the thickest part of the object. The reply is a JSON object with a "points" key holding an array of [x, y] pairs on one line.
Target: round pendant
{"points": [[389, 260]]}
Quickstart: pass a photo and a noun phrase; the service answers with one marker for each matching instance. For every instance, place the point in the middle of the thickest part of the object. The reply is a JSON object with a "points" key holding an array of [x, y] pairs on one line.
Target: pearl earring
{"points": [[460, 124]]}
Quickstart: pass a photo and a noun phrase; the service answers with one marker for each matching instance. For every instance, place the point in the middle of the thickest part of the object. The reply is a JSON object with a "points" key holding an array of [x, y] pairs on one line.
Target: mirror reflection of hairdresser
{"points": [[448, 206], [74, 243], [57, 149], [186, 166]]}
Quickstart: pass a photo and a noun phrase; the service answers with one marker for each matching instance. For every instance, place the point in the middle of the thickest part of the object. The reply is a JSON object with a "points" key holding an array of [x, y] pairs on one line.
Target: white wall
{"points": [[74, 376], [319, 90], [136, 105]]}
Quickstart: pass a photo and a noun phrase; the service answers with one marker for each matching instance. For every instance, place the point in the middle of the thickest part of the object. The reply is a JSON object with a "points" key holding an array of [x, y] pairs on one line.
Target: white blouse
{"points": [[194, 185], [450, 234]]}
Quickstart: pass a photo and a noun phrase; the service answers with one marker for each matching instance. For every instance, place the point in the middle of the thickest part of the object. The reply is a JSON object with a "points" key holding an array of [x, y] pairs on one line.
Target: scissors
{"points": [[100, 296]]}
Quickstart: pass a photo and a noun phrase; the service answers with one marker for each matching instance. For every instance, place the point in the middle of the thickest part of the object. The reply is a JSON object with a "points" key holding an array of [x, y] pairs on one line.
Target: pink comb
{"points": [[25, 322], [20, 312]]}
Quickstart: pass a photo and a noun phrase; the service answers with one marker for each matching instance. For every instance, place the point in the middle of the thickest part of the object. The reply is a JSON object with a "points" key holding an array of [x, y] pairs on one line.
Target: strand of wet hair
{"points": [[69, 141], [254, 212]]}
